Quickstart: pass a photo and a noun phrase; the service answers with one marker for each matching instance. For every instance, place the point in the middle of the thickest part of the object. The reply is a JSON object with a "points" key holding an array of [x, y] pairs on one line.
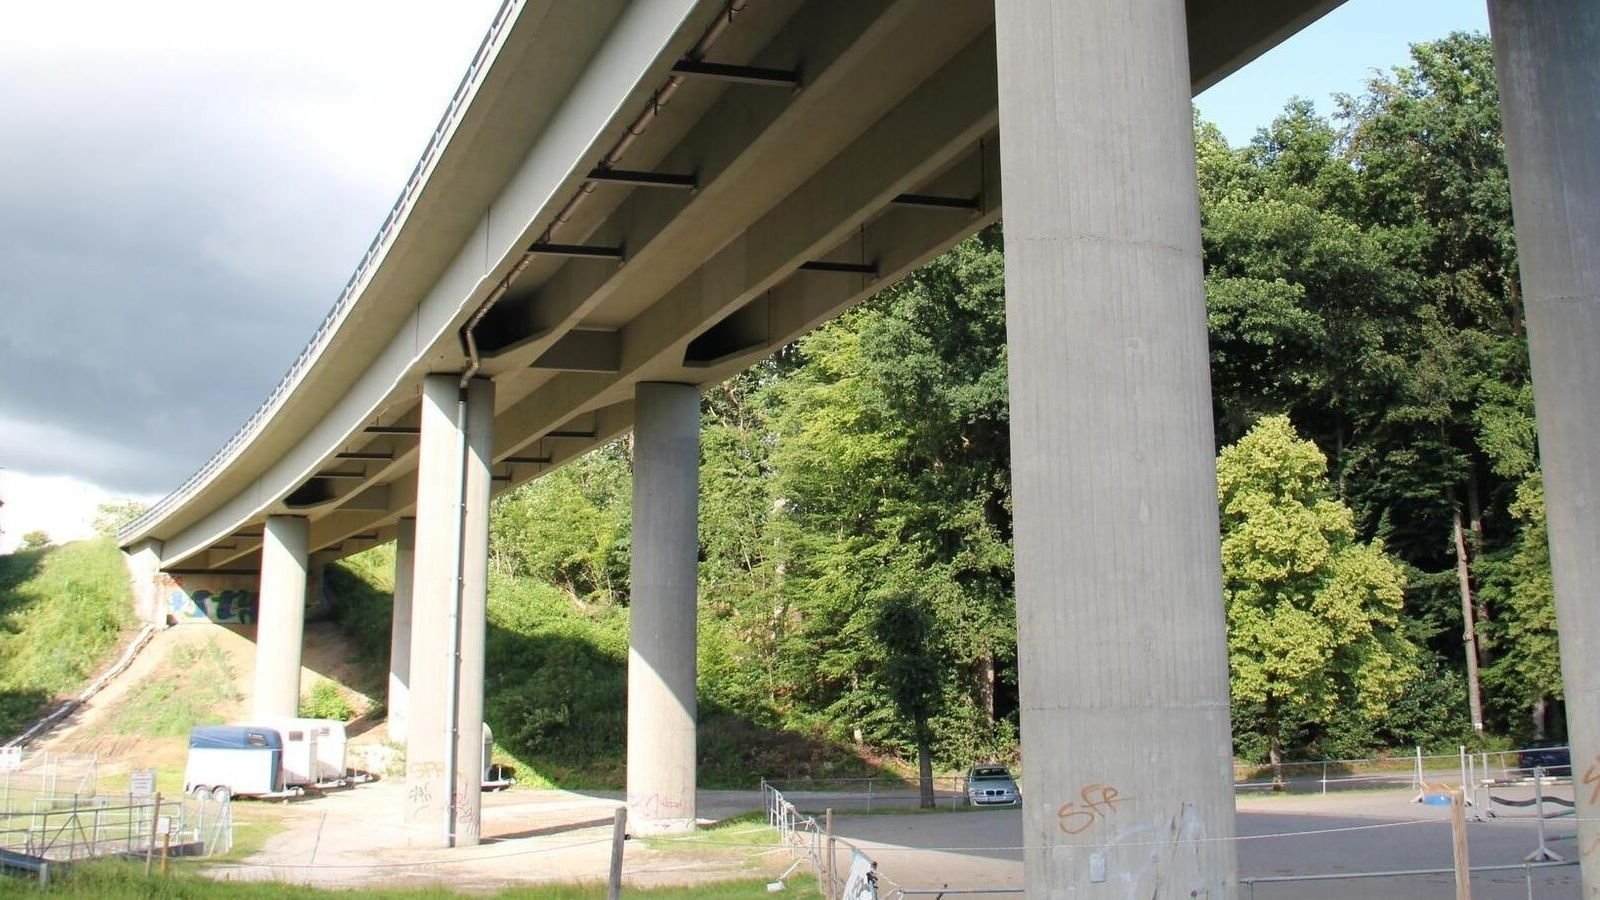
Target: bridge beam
{"points": [[281, 616], [661, 628], [1549, 78], [398, 700], [1122, 654], [448, 594]]}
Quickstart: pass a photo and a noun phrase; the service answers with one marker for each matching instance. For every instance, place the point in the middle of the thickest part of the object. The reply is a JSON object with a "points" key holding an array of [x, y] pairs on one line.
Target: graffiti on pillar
{"points": [[1095, 802], [1591, 779], [423, 793]]}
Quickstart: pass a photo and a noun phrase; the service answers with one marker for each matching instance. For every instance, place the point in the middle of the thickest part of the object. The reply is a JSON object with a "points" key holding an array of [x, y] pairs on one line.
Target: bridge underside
{"points": [[636, 201]]}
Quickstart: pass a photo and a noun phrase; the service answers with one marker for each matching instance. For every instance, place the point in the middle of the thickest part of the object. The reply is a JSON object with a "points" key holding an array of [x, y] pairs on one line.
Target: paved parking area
{"points": [[353, 838], [1293, 835]]}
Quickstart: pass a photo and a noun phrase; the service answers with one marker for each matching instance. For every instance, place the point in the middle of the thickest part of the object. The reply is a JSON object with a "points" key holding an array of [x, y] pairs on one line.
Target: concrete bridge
{"points": [[628, 202]]}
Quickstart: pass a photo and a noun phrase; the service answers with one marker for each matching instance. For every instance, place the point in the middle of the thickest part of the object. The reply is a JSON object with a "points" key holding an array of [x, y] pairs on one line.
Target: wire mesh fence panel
{"points": [[1540, 881], [868, 794], [64, 829]]}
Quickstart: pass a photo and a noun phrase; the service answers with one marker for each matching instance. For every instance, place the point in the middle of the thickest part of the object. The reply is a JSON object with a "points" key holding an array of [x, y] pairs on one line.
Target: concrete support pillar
{"points": [[1547, 58], [1123, 652], [661, 630], [398, 700], [448, 598], [144, 567], [281, 616]]}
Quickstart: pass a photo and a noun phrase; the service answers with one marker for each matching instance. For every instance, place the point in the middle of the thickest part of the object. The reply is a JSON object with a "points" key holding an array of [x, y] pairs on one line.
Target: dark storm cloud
{"points": [[171, 231]]}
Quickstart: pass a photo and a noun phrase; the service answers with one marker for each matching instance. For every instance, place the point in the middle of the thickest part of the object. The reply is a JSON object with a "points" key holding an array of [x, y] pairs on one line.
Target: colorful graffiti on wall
{"points": [[219, 599], [230, 607]]}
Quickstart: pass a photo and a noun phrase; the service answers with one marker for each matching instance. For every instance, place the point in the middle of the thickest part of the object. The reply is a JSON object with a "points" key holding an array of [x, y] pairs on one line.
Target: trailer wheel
{"points": [[221, 794], [199, 791]]}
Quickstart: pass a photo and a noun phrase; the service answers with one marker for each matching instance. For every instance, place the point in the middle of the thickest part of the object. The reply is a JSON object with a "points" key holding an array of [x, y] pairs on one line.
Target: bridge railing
{"points": [[352, 288]]}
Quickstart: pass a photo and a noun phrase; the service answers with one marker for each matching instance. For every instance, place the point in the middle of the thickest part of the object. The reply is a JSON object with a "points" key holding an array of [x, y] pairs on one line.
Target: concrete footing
{"points": [[1547, 58], [1123, 655], [661, 635]]}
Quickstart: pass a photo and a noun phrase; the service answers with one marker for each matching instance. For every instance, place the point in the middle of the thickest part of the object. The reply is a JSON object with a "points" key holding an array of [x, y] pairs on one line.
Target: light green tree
{"points": [[35, 540], [113, 514], [1314, 616]]}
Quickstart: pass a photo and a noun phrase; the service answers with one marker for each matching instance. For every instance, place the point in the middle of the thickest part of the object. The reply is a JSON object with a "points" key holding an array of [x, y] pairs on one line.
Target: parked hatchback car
{"points": [[1554, 757], [989, 784]]}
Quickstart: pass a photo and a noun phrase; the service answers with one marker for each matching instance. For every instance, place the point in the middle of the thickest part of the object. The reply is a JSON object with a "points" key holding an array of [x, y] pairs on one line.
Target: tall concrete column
{"points": [[1547, 57], [398, 700], [447, 600], [281, 616], [661, 629], [1123, 655]]}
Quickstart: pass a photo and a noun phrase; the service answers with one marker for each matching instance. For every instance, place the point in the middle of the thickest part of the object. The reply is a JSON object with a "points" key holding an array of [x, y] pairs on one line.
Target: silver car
{"points": [[989, 784]]}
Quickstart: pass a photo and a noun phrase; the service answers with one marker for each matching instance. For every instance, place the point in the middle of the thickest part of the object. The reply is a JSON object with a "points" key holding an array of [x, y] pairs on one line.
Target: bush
{"points": [[326, 701]]}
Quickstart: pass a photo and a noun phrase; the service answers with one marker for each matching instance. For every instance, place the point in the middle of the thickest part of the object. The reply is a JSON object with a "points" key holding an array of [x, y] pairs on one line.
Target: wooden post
{"points": [[827, 863], [150, 849], [166, 849], [1458, 840], [619, 835]]}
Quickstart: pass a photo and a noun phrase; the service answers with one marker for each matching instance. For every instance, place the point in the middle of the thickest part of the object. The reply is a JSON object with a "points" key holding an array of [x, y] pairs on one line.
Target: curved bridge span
{"points": [[628, 202]]}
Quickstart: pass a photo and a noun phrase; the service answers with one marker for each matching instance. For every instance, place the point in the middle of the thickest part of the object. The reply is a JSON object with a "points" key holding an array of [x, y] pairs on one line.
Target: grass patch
{"points": [[116, 880], [326, 701], [62, 612], [555, 682], [170, 707], [745, 830]]}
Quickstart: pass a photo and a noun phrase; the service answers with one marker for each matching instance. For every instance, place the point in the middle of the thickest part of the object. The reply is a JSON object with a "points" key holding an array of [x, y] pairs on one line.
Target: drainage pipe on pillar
{"points": [[453, 697]]}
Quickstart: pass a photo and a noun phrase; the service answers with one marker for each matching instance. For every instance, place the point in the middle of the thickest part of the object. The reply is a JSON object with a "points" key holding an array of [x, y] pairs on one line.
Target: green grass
{"points": [[115, 881], [62, 612], [169, 707], [554, 686], [744, 830]]}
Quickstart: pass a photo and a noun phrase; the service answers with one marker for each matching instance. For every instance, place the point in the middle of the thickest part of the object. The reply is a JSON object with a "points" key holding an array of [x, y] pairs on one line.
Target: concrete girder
{"points": [[420, 331], [1225, 35], [921, 136], [582, 351], [751, 149], [633, 56]]}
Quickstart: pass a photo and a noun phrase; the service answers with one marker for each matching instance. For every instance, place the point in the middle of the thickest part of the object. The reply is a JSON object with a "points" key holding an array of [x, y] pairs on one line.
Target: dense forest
{"points": [[1385, 569]]}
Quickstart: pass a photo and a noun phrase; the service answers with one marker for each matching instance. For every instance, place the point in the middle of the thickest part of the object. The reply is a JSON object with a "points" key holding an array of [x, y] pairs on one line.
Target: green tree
{"points": [[1528, 675], [910, 670], [570, 528], [1313, 613], [113, 514], [37, 539]]}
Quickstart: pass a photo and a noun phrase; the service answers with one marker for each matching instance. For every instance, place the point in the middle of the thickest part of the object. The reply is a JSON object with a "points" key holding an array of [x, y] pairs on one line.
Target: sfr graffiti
{"points": [[1095, 802]]}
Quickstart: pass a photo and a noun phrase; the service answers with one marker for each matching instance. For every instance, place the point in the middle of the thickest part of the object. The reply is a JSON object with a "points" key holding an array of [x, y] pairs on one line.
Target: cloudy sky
{"points": [[187, 185]]}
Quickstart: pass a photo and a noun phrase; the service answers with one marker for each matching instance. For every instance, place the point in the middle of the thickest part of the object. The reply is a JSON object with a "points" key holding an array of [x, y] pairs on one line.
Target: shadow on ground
{"points": [[556, 699]]}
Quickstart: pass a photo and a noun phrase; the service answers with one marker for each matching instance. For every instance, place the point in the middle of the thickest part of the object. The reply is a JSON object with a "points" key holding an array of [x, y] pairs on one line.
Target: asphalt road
{"points": [[1375, 831]]}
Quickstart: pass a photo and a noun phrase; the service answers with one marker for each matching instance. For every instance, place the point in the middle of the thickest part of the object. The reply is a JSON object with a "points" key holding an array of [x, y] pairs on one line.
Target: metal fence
{"points": [[869, 794], [50, 812], [1426, 772], [798, 831], [45, 774]]}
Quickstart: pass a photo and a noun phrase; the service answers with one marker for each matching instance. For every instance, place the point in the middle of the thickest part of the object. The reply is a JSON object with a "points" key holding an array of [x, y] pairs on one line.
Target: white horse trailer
{"points": [[313, 750], [236, 761]]}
